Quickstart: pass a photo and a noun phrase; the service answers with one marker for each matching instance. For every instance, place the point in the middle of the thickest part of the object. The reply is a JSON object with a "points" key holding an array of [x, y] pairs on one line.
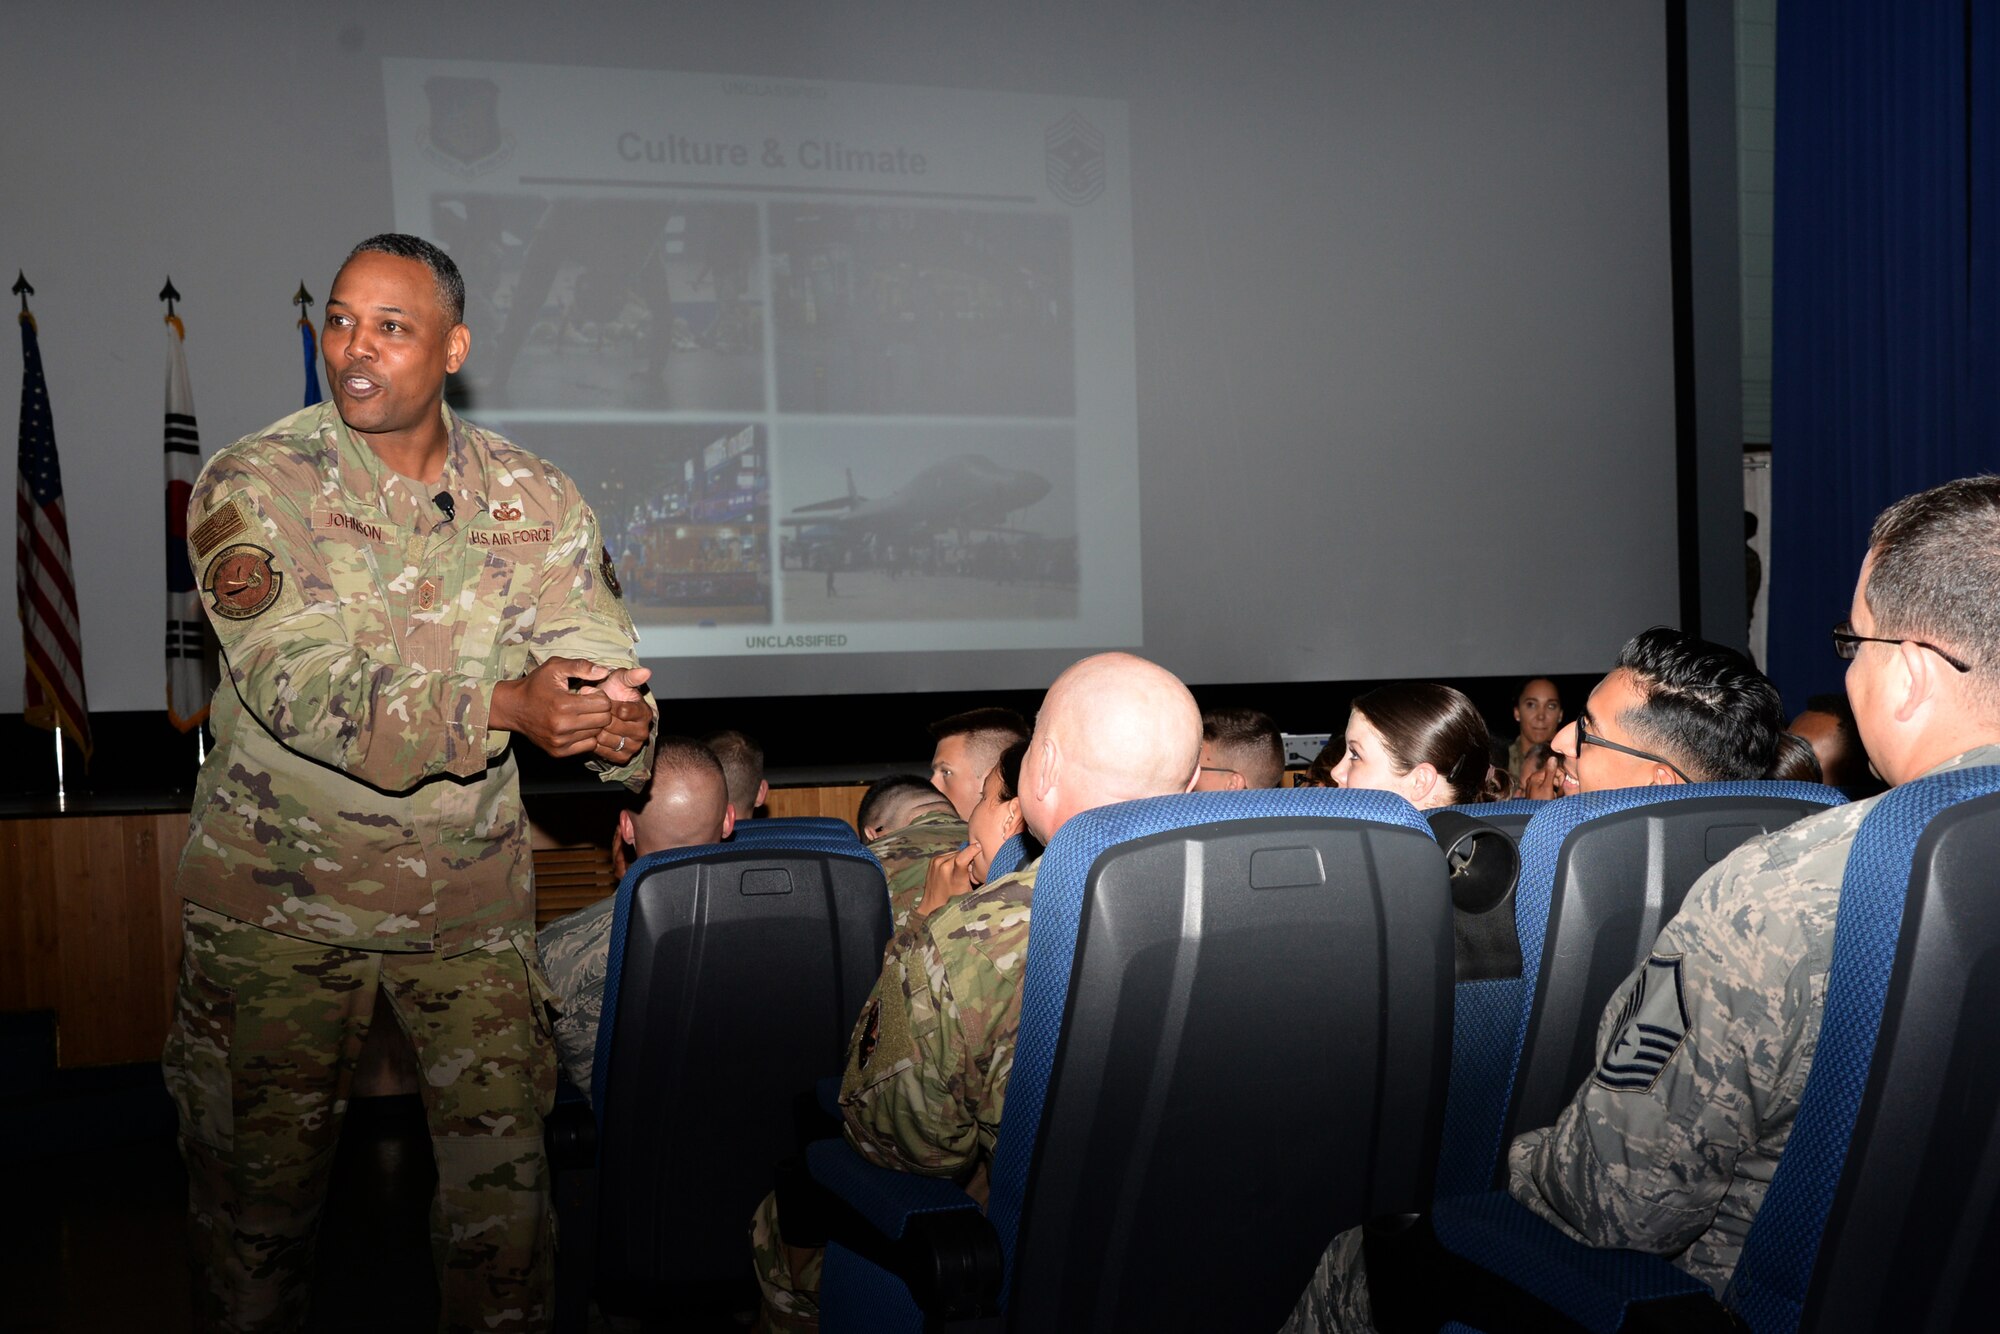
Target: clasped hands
{"points": [[571, 706]]}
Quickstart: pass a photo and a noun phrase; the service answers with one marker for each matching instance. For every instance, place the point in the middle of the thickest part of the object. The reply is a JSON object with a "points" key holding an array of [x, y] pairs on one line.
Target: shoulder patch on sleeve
{"points": [[1651, 1028], [240, 582], [222, 524]]}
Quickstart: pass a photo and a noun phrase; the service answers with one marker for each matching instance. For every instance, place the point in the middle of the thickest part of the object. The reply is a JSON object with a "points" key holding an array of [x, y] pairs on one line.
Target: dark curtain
{"points": [[1886, 290]]}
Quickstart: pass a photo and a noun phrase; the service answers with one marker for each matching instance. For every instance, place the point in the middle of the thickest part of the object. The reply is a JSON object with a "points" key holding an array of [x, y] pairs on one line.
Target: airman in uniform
{"points": [[929, 1058], [906, 855], [396, 592]]}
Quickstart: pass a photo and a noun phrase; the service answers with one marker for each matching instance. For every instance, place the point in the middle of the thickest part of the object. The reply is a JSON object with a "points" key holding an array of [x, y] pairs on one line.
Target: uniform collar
{"points": [[360, 472]]}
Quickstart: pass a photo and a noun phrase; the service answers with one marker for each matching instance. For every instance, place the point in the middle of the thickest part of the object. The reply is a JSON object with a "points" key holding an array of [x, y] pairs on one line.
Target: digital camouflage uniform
{"points": [[1669, 1146], [576, 954], [358, 827], [906, 855], [927, 1068]]}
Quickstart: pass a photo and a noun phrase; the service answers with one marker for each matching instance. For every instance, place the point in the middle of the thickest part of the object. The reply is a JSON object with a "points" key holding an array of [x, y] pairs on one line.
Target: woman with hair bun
{"points": [[1422, 741]]}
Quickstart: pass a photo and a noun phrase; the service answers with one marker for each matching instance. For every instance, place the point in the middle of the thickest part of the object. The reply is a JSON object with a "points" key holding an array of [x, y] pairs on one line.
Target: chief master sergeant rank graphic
{"points": [[397, 593]]}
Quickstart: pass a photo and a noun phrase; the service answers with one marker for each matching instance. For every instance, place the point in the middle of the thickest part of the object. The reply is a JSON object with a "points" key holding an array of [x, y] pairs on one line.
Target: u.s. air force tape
{"points": [[240, 582], [1651, 1028]]}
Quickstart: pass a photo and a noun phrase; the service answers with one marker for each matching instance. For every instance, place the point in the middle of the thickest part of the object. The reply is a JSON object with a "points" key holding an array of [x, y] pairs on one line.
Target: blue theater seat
{"points": [[1601, 873], [1884, 1212], [787, 826], [1013, 853], [1233, 1034], [735, 974]]}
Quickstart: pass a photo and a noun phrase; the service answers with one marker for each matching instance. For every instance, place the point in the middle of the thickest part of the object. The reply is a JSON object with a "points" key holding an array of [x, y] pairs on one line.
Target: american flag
{"points": [[191, 664], [42, 579]]}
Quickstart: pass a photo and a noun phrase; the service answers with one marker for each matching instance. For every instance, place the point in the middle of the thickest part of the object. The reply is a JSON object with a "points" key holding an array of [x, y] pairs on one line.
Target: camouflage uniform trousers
{"points": [[576, 952], [266, 1029], [787, 1276], [1336, 1298]]}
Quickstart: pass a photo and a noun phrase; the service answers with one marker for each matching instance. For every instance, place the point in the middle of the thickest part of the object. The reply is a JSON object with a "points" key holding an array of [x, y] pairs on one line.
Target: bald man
{"points": [[927, 1065], [685, 806]]}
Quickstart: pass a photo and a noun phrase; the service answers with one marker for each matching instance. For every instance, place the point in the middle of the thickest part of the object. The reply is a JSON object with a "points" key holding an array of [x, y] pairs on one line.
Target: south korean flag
{"points": [[1650, 1029]]}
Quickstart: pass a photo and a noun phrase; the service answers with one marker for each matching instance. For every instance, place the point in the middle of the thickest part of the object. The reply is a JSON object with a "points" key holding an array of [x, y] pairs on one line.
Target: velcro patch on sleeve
{"points": [[1652, 1026], [222, 523], [241, 583]]}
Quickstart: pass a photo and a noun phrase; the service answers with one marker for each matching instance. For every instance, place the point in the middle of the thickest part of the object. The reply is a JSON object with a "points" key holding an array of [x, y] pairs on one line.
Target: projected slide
{"points": [[841, 368]]}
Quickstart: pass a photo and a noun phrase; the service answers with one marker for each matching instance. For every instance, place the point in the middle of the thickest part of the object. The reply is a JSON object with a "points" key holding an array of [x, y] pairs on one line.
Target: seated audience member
{"points": [[995, 819], [907, 823], [1676, 709], [1320, 772], [1240, 748], [1422, 741], [1796, 762], [685, 805], [927, 1065], [1541, 774], [1827, 724], [743, 765], [1538, 710], [967, 746], [1677, 1164]]}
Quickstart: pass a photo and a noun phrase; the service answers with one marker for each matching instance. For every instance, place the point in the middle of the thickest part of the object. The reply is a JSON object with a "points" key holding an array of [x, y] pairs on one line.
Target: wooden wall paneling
{"points": [[30, 955], [842, 803], [108, 914]]}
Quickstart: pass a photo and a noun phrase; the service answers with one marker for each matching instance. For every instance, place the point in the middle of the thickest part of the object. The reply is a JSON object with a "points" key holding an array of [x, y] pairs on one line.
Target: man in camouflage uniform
{"points": [[907, 823], [969, 744], [396, 593], [1670, 1149], [928, 1062], [687, 804]]}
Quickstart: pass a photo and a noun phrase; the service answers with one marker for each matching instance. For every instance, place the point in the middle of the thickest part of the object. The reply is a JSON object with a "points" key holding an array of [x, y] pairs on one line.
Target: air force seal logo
{"points": [[1073, 154], [1650, 1029], [465, 137]]}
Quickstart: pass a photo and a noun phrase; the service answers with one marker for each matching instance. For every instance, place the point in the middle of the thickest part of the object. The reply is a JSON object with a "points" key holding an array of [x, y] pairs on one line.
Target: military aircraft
{"points": [[967, 492]]}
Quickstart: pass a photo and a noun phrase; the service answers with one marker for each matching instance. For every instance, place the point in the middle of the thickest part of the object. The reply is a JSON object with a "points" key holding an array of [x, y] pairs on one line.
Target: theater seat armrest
{"points": [[927, 1232], [1601, 1290]]}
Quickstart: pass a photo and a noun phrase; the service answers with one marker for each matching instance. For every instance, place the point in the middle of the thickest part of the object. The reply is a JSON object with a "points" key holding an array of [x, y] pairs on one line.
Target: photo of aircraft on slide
{"points": [[941, 547]]}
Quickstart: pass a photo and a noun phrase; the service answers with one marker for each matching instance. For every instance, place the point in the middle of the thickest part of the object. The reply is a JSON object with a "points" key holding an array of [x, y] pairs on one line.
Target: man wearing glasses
{"points": [[1675, 709], [1673, 1155], [1240, 748], [1672, 1152]]}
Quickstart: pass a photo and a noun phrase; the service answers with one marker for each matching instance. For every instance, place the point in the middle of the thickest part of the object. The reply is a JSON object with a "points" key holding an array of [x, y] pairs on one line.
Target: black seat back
{"points": [[1245, 1053], [735, 976], [1619, 877], [1914, 1230]]}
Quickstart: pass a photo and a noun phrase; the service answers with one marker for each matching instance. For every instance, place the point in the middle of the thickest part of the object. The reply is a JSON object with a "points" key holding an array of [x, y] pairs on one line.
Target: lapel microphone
{"points": [[443, 501]]}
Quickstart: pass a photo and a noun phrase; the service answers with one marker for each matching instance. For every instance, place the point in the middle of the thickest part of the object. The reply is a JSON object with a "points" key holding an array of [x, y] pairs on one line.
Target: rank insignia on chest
{"points": [[240, 582], [610, 573], [427, 594]]}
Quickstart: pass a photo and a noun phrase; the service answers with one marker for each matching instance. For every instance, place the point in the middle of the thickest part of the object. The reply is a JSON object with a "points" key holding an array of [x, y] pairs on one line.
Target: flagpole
{"points": [[62, 796]]}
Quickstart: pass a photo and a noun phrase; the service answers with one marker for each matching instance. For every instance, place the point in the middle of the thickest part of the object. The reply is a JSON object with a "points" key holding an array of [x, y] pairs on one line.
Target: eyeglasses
{"points": [[1584, 738], [1846, 644], [1217, 769]]}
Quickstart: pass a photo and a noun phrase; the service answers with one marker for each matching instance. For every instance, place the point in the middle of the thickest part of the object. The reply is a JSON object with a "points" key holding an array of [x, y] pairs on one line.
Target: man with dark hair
{"points": [[1827, 725], [1676, 709], [743, 761], [907, 822], [685, 806], [1676, 1160], [1240, 748], [969, 744], [398, 595]]}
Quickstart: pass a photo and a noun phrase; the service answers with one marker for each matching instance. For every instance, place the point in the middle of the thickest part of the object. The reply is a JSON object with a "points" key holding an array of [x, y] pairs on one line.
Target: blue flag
{"points": [[311, 346]]}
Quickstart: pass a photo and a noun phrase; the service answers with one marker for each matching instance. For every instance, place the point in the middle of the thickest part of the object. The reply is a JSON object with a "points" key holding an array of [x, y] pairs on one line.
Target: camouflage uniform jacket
{"points": [[355, 794], [927, 1065], [906, 855], [1670, 1145]]}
